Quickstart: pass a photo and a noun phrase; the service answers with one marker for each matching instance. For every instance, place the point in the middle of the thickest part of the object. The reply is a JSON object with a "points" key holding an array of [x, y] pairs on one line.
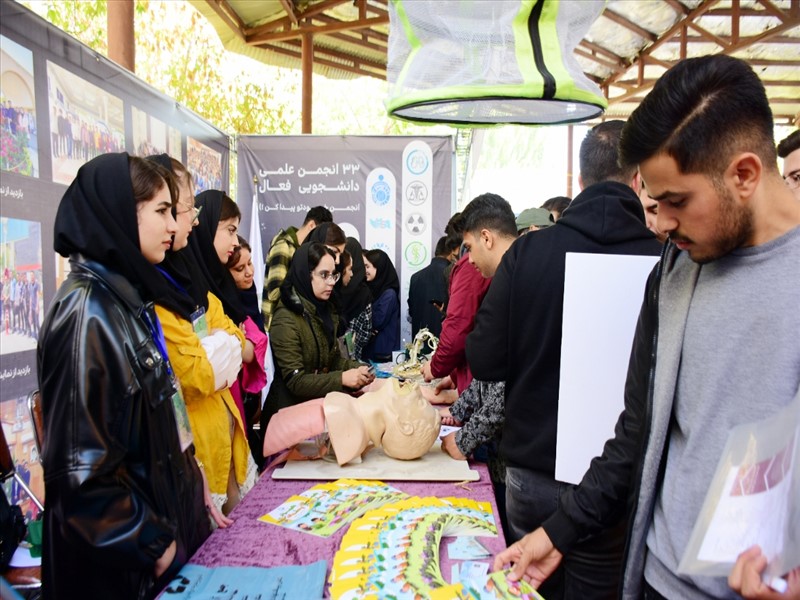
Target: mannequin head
{"points": [[393, 416]]}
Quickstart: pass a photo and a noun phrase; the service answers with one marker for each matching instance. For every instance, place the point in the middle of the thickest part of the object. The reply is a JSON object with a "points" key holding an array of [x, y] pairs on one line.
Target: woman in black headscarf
{"points": [[207, 348], [332, 236], [125, 507], [385, 288], [355, 300], [303, 335]]}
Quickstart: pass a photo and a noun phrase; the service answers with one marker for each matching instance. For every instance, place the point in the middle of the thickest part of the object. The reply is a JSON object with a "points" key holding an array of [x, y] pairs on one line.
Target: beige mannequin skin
{"points": [[392, 415]]}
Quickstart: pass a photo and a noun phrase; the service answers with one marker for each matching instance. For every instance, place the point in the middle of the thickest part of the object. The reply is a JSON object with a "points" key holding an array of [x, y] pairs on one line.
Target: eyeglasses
{"points": [[195, 209], [792, 179], [327, 276]]}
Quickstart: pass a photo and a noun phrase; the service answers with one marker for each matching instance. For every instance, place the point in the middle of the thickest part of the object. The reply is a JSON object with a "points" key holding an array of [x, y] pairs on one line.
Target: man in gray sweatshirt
{"points": [[718, 339]]}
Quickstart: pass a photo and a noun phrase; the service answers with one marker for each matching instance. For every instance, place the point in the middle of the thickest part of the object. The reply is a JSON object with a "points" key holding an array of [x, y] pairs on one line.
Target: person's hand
{"points": [[368, 373], [445, 383], [426, 372], [357, 378], [216, 514], [248, 352], [165, 560], [745, 578], [534, 558], [447, 418], [449, 446]]}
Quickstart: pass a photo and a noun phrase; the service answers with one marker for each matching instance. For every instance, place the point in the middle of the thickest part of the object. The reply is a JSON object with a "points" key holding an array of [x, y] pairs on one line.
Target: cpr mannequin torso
{"points": [[392, 415]]}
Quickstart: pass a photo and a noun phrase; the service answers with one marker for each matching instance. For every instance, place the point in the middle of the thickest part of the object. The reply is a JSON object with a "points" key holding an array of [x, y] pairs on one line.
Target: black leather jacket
{"points": [[119, 490]]}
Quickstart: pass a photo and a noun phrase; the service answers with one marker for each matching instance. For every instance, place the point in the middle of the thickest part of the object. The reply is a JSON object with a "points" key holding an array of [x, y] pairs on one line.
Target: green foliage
{"points": [[178, 52]]}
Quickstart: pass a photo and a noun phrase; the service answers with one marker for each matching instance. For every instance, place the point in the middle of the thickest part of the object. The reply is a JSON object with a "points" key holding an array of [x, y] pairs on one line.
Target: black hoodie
{"points": [[517, 333]]}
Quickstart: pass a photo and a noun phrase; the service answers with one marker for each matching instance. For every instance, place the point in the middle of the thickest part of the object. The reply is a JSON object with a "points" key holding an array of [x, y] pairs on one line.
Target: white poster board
{"points": [[602, 297]]}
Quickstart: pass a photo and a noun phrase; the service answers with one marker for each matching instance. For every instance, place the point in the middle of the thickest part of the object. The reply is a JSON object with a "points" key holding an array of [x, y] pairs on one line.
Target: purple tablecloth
{"points": [[249, 542]]}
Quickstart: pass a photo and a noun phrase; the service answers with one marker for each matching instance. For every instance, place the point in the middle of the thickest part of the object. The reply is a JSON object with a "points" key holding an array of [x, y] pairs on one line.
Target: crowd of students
{"points": [[153, 359]]}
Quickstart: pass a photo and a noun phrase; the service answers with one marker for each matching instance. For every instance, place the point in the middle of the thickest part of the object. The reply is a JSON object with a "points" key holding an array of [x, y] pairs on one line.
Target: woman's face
{"points": [[371, 270], [324, 277], [337, 250], [186, 214], [156, 226], [348, 273], [243, 270], [226, 239]]}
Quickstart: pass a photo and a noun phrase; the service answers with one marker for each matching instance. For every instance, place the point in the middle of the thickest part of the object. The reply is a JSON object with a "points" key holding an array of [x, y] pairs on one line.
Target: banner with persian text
{"points": [[394, 193]]}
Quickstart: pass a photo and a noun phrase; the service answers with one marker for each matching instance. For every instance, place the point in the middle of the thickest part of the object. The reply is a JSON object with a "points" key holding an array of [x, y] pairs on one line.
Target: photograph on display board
{"points": [[19, 151], [18, 430], [205, 165], [85, 122], [151, 136], [21, 280]]}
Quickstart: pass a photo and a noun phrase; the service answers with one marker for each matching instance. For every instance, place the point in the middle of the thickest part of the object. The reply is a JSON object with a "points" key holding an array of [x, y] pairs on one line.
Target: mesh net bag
{"points": [[488, 62]]}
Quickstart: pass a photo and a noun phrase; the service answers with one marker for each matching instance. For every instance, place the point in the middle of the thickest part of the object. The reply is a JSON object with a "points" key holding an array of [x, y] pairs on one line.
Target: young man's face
{"points": [[705, 220], [480, 254], [791, 172]]}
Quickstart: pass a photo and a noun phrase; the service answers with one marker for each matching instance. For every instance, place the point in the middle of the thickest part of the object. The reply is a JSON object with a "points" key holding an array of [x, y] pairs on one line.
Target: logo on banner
{"points": [[417, 162], [380, 223], [416, 254], [382, 246], [381, 192], [416, 193], [416, 224]]}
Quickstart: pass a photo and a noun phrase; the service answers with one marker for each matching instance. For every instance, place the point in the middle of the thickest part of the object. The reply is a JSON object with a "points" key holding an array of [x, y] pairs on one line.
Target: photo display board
{"points": [[62, 105]]}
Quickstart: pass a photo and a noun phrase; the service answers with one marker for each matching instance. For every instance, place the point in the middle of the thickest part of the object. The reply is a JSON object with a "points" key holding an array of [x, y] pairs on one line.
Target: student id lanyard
{"points": [[199, 322], [178, 404]]}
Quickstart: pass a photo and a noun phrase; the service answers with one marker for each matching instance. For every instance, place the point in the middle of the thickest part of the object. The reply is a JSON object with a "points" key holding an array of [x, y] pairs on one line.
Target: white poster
{"points": [[603, 294]]}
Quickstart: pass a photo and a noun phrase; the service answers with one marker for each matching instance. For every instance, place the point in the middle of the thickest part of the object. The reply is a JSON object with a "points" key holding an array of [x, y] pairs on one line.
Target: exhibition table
{"points": [[250, 542]]}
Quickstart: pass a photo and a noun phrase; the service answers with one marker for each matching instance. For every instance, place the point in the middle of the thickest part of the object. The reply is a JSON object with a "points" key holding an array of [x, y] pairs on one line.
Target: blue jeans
{"points": [[592, 568]]}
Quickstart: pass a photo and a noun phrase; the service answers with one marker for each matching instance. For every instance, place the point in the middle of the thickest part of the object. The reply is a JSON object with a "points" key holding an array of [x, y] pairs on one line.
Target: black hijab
{"points": [[299, 278], [97, 218], [354, 297], [320, 235], [201, 242], [385, 274], [185, 292]]}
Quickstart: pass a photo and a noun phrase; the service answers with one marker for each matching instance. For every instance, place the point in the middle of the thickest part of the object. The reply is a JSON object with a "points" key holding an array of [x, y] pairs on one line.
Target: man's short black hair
{"points": [[789, 144], [558, 204], [455, 225], [453, 242], [599, 155], [492, 212], [318, 214], [700, 113], [441, 247]]}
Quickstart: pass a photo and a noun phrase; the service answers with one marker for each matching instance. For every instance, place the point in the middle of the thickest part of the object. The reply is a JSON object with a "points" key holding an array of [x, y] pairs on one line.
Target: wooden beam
{"points": [[729, 50], [773, 10], [289, 8], [704, 33], [316, 9], [370, 33], [359, 41], [604, 51], [280, 36], [735, 16], [339, 55], [120, 34], [308, 71], [698, 11], [229, 16], [678, 7], [601, 61], [630, 25], [347, 68]]}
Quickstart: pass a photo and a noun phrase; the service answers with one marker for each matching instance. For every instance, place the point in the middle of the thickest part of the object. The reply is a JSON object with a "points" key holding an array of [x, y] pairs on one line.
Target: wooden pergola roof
{"points": [[625, 51]]}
